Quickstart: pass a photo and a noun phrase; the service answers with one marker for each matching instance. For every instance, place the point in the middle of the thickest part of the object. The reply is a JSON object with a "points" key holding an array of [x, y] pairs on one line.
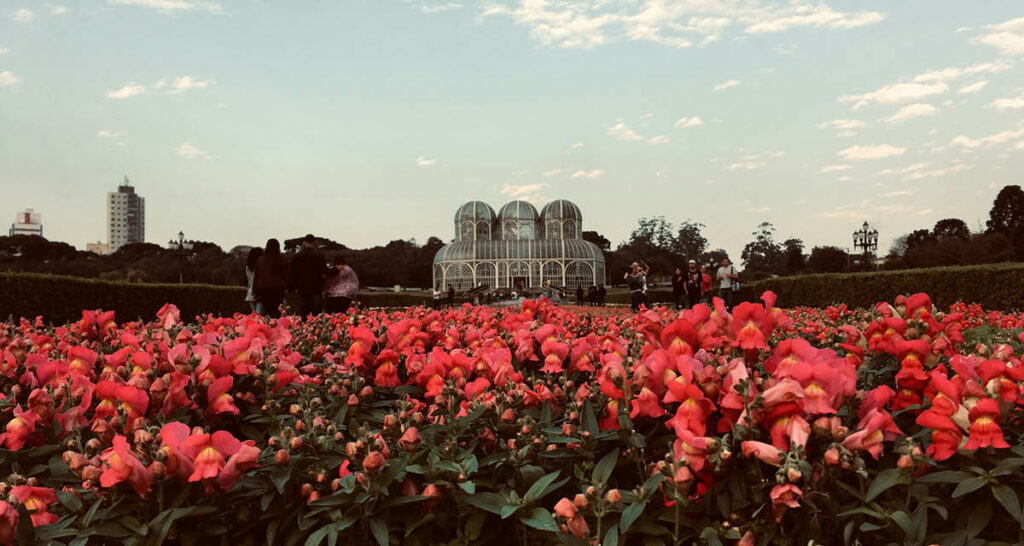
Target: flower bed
{"points": [[526, 425]]}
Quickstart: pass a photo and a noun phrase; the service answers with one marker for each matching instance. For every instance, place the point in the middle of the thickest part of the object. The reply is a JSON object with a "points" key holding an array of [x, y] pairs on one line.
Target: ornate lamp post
{"points": [[866, 240], [183, 249]]}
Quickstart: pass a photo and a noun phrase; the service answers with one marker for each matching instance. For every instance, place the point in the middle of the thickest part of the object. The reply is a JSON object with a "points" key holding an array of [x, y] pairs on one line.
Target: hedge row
{"points": [[995, 286], [61, 299]]}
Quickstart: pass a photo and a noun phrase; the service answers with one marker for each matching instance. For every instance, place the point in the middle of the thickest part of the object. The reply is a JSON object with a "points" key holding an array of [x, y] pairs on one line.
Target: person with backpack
{"points": [[727, 277]]}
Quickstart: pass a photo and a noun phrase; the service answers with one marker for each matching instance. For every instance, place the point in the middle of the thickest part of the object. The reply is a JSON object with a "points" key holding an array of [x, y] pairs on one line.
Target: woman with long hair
{"points": [[250, 274], [271, 279]]}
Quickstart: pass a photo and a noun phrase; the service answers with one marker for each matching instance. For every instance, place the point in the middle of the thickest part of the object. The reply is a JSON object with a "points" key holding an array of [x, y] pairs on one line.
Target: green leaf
{"points": [[603, 468], [1008, 498], [1008, 466], [979, 519], [611, 538], [903, 520], [91, 513], [630, 514], [468, 486], [541, 519], [508, 510], [380, 531], [279, 478], [69, 500], [491, 502], [536, 490], [710, 535], [969, 485], [475, 525], [652, 483], [885, 480], [945, 476], [403, 500], [590, 420]]}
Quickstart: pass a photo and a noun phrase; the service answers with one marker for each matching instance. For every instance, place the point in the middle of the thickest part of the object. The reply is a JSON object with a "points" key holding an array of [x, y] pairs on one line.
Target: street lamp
{"points": [[866, 240], [183, 249]]}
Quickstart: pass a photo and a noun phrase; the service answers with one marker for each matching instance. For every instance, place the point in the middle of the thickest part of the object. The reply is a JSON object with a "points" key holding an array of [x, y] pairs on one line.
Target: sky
{"points": [[371, 120]]}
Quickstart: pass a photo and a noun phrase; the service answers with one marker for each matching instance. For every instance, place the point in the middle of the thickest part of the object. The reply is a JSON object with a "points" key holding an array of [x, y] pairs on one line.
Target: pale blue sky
{"points": [[367, 121]]}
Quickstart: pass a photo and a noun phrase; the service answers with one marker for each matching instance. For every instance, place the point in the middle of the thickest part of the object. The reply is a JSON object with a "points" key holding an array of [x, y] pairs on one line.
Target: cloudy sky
{"points": [[371, 120]]}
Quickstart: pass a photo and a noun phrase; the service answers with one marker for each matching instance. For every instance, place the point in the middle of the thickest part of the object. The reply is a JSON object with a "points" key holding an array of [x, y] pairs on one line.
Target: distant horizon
{"points": [[239, 121]]}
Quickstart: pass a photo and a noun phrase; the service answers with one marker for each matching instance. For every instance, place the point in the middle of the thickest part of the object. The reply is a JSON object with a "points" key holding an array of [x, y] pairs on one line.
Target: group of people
{"points": [[319, 286], [690, 287], [594, 295]]}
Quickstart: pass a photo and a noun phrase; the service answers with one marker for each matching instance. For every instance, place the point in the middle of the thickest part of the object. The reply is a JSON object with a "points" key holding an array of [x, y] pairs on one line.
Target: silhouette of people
{"points": [[451, 296], [250, 274], [678, 280], [636, 280], [692, 284], [270, 279], [341, 285], [308, 269]]}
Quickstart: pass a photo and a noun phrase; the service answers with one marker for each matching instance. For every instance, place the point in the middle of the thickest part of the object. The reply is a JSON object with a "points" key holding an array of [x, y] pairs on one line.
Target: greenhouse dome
{"points": [[518, 248]]}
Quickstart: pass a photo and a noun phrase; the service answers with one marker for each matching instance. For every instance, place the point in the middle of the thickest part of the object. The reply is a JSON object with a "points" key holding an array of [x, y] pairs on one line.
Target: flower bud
{"points": [[613, 496], [373, 462], [905, 462], [282, 456], [793, 475], [580, 500], [410, 441], [832, 456]]}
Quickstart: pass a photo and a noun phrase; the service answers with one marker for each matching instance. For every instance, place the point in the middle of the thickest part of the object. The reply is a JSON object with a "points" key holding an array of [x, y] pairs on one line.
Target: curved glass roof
{"points": [[518, 210], [561, 209], [528, 249], [475, 210]]}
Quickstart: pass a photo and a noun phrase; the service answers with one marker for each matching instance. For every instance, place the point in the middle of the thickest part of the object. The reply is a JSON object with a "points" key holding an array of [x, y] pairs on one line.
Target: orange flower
{"points": [[38, 499], [208, 453], [985, 430], [18, 429]]}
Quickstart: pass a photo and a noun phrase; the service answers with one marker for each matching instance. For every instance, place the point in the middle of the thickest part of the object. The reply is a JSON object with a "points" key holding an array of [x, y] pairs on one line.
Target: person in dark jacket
{"points": [[693, 284], [602, 292], [451, 296], [308, 269], [270, 279], [678, 282]]}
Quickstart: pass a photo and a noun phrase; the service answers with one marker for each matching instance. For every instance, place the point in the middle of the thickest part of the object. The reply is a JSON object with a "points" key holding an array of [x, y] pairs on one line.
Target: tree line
{"points": [[661, 243]]}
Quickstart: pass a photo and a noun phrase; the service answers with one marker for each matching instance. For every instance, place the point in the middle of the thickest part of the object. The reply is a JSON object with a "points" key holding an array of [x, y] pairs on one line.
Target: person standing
{"points": [[693, 284], [341, 285], [270, 279], [706, 285], [451, 296], [437, 297], [678, 281], [726, 276], [308, 268], [636, 280], [250, 274], [579, 295], [602, 292]]}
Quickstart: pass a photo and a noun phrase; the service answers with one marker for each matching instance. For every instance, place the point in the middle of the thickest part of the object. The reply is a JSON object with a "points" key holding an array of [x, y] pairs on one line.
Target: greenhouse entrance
{"points": [[520, 282]]}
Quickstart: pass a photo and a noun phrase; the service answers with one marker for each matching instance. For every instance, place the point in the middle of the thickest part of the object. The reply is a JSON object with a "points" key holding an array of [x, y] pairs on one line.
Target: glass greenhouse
{"points": [[518, 248]]}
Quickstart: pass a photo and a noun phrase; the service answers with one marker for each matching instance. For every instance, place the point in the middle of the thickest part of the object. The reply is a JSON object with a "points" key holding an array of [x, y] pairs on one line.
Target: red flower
{"points": [[169, 316], [751, 326], [123, 465], [38, 499], [208, 453], [8, 523], [18, 429], [554, 355], [985, 430], [692, 448], [387, 369], [218, 398], [679, 338], [243, 459], [767, 453], [946, 435], [646, 404], [875, 428], [610, 421]]}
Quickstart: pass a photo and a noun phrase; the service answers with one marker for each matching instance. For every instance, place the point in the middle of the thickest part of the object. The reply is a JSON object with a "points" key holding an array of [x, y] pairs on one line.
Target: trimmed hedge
{"points": [[994, 286], [61, 299]]}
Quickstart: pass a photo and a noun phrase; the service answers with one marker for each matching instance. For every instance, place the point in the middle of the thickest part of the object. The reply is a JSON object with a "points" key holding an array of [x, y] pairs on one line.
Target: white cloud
{"points": [[438, 8], [129, 90], [845, 124], [8, 79], [935, 173], [622, 132], [898, 193], [1014, 103], [746, 166], [973, 88], [189, 151], [834, 168], [871, 152], [57, 10], [726, 85], [997, 138], [171, 6], [4, 51], [587, 24], [1007, 37], [591, 174], [905, 170], [896, 93], [695, 121], [844, 178], [187, 83], [550, 173], [911, 111], [424, 162], [108, 133], [23, 15], [660, 139], [952, 73], [845, 134], [528, 192], [576, 146]]}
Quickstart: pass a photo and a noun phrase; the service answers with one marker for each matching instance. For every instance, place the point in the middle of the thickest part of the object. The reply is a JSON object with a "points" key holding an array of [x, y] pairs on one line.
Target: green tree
{"points": [[600, 240], [690, 242], [762, 254], [794, 259], [951, 228], [828, 259]]}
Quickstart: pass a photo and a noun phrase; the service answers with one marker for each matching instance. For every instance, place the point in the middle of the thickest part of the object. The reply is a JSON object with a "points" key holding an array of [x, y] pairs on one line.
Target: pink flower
{"points": [[767, 453], [123, 466], [785, 497]]}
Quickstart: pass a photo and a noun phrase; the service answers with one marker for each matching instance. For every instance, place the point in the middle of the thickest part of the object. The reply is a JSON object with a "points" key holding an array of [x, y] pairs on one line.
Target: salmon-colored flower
{"points": [[38, 499], [219, 401], [783, 498], [386, 374], [169, 316], [18, 429], [554, 353], [8, 523], [646, 404], [208, 453], [876, 427], [767, 453], [124, 466], [245, 458]]}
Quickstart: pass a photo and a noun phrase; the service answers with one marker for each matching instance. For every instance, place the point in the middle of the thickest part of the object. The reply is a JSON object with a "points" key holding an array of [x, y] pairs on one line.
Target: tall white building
{"points": [[126, 217], [27, 222]]}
